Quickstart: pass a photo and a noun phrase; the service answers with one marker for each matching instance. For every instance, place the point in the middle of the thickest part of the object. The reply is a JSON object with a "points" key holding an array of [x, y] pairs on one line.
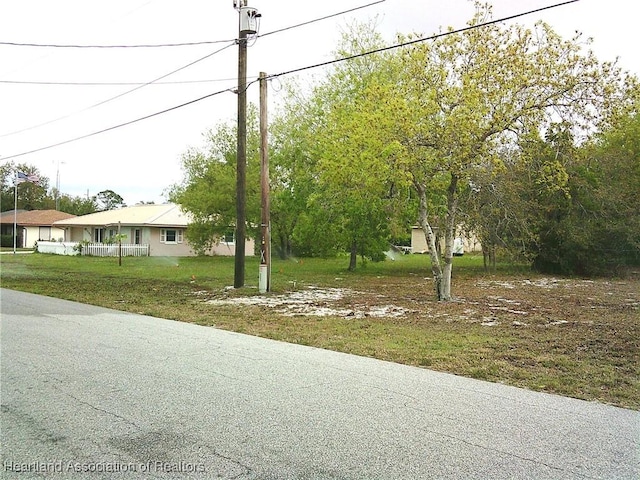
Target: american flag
{"points": [[27, 177]]}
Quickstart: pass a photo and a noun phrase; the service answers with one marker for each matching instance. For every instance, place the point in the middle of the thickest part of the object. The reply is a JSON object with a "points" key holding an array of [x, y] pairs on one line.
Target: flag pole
{"points": [[15, 214]]}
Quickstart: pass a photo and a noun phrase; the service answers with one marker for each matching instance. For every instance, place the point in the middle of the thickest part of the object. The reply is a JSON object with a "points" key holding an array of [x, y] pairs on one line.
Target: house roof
{"points": [[164, 215], [7, 217], [35, 217]]}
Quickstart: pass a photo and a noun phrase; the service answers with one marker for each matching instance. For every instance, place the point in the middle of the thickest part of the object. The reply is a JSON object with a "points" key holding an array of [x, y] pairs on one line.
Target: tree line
{"points": [[515, 134], [41, 196]]}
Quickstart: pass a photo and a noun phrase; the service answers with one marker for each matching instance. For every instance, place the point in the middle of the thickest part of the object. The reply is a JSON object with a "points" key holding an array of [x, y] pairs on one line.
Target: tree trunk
{"points": [[485, 256], [353, 259], [449, 237], [282, 247], [423, 219]]}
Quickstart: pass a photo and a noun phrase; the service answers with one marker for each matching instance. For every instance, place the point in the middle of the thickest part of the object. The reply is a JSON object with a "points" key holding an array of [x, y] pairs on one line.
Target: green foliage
{"points": [[80, 245], [208, 188], [108, 200], [472, 130], [564, 208], [6, 240], [77, 205], [39, 196], [293, 179], [469, 97], [31, 196], [360, 186], [596, 229]]}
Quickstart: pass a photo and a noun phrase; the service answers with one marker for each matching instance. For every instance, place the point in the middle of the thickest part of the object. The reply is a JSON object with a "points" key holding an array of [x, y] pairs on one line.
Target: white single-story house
{"points": [[462, 243], [33, 226], [161, 227]]}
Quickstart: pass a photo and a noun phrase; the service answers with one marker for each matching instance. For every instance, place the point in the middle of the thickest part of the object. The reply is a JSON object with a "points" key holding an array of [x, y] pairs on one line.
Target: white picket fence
{"points": [[106, 250], [94, 249]]}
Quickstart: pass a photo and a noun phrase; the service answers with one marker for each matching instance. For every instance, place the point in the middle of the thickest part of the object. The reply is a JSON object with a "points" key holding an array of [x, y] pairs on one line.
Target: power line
{"points": [[321, 18], [102, 84], [77, 46], [139, 86], [178, 44], [297, 70], [419, 40], [119, 95], [114, 127]]}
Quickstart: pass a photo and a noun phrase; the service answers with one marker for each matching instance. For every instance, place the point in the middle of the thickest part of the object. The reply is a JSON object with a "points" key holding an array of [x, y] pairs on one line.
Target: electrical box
{"points": [[249, 20]]}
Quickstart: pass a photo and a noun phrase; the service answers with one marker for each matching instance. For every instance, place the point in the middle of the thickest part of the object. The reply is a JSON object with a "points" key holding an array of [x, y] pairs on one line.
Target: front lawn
{"points": [[569, 336]]}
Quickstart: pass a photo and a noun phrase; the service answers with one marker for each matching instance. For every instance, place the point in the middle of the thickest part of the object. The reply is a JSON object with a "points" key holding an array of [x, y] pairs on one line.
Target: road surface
{"points": [[94, 393]]}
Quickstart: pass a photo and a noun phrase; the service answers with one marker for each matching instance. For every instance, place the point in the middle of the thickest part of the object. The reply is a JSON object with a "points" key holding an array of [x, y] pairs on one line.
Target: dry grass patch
{"points": [[566, 336]]}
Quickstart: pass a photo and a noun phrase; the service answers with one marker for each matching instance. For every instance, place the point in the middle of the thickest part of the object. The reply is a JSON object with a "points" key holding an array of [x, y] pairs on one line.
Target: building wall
{"points": [[76, 234], [158, 248], [419, 242], [32, 234], [153, 237], [229, 249]]}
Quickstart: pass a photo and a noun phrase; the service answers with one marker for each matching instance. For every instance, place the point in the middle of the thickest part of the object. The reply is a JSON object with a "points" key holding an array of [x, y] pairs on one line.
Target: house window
{"points": [[171, 236], [99, 235], [137, 236], [44, 233], [229, 238]]}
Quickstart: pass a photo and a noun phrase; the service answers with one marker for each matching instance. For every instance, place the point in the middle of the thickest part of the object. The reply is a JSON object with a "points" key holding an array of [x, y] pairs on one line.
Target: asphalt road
{"points": [[98, 394]]}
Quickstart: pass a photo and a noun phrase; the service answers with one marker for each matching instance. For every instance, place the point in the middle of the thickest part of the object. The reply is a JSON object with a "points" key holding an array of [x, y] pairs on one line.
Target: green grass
{"points": [[593, 356]]}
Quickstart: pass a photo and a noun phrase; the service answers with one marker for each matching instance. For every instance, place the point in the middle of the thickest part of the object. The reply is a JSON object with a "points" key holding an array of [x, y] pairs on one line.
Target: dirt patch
{"points": [[571, 337], [522, 303], [316, 302], [557, 301]]}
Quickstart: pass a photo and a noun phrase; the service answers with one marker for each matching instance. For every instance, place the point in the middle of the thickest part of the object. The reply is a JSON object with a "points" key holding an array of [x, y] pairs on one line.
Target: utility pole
{"points": [[58, 186], [264, 283], [247, 26], [241, 160]]}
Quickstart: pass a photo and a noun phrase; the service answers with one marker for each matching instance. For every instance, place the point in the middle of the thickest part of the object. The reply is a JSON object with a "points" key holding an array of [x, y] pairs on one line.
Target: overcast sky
{"points": [[141, 160]]}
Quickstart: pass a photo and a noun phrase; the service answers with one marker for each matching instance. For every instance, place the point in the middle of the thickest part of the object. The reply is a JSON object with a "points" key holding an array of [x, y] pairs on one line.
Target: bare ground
{"points": [[568, 336]]}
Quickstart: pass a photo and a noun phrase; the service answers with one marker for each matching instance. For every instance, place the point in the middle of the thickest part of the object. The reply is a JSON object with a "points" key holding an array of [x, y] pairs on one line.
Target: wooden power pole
{"points": [[247, 26], [265, 241], [241, 159]]}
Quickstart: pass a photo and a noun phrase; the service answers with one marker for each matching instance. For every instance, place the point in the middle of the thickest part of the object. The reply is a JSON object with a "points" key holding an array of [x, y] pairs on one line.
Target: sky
{"points": [[141, 160]]}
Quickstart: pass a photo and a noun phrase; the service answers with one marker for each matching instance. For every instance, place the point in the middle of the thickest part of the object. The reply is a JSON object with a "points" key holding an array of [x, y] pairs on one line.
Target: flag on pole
{"points": [[24, 177], [21, 177]]}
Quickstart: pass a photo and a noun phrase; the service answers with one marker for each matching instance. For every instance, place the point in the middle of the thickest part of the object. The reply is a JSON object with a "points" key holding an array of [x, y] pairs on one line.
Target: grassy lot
{"points": [[569, 336]]}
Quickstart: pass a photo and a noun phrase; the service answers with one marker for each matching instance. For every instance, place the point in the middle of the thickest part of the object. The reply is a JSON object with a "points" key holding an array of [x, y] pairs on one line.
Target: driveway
{"points": [[94, 393]]}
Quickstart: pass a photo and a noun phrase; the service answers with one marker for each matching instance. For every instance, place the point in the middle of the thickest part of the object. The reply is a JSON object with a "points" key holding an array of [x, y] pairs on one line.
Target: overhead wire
{"points": [[232, 42], [321, 18], [120, 125], [119, 95], [181, 44], [309, 22], [415, 41], [111, 84], [148, 45], [301, 69]]}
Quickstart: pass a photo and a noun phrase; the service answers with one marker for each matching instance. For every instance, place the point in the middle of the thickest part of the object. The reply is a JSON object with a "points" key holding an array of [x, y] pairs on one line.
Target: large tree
{"points": [[293, 176], [108, 200], [360, 186], [76, 205], [208, 188], [594, 228], [467, 95], [31, 195]]}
